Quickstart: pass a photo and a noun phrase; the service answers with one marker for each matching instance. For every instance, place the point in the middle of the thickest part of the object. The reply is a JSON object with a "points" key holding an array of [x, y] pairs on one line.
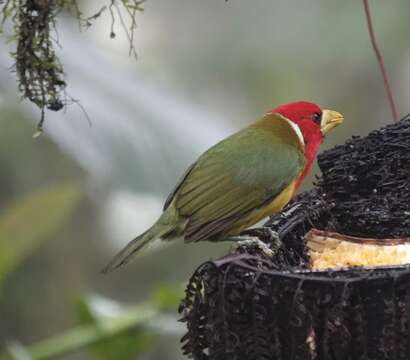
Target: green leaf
{"points": [[130, 321], [125, 345], [29, 222], [92, 308], [167, 297]]}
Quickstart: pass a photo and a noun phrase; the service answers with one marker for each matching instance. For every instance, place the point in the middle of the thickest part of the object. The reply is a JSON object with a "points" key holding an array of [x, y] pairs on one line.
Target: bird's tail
{"points": [[134, 246]]}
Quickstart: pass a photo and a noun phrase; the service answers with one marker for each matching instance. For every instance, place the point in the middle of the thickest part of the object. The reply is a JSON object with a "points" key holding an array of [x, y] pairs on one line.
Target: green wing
{"points": [[238, 175]]}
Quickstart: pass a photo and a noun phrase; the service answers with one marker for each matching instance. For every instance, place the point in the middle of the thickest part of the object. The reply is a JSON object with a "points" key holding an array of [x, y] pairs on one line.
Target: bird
{"points": [[241, 180]]}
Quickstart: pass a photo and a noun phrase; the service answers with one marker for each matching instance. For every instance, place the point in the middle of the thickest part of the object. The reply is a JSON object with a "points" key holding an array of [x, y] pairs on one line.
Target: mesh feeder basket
{"points": [[323, 295]]}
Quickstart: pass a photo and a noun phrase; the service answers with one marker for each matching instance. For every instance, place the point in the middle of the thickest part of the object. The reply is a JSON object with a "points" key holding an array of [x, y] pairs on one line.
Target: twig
{"points": [[128, 32], [380, 60]]}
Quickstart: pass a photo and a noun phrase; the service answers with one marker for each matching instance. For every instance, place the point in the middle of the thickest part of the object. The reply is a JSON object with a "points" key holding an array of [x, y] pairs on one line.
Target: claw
{"points": [[265, 233], [253, 242]]}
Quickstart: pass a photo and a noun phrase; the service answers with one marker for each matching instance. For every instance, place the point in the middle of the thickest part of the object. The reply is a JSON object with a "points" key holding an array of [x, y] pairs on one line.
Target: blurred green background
{"points": [[70, 199]]}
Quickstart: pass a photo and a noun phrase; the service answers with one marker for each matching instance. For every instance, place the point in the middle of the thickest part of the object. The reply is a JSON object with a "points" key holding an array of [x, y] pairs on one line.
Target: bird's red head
{"points": [[307, 116], [313, 123]]}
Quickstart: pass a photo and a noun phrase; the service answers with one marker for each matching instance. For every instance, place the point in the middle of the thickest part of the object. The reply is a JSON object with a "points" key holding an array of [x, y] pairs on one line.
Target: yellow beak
{"points": [[330, 119]]}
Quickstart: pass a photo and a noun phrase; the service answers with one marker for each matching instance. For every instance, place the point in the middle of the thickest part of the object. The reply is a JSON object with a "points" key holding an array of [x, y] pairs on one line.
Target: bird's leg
{"points": [[265, 232], [250, 239], [248, 242]]}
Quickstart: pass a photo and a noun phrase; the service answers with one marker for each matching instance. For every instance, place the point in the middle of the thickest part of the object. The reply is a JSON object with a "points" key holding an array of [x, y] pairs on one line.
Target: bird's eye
{"points": [[317, 117]]}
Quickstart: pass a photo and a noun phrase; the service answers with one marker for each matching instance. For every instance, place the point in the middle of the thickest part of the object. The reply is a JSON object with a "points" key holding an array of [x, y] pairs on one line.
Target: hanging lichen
{"points": [[40, 73]]}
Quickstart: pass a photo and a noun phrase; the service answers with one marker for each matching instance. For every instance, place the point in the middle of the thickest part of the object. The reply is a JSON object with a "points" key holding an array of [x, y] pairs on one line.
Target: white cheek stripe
{"points": [[297, 131]]}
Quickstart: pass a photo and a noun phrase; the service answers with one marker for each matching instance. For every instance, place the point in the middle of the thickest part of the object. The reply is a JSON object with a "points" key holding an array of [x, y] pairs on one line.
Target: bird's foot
{"points": [[267, 234], [251, 243]]}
